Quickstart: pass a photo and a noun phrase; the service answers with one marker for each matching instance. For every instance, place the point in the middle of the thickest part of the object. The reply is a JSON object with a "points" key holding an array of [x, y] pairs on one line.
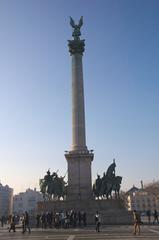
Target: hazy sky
{"points": [[121, 78]]}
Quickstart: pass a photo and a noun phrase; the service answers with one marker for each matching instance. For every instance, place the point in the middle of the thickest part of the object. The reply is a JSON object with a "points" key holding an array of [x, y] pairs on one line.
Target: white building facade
{"points": [[26, 201], [6, 200], [142, 201]]}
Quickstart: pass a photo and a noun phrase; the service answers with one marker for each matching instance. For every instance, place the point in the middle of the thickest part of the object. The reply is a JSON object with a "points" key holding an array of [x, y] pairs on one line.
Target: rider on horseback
{"points": [[111, 170]]}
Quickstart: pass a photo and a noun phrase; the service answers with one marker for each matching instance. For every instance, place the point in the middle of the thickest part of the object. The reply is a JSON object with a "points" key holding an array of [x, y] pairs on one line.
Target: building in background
{"points": [[6, 200], [26, 201], [142, 200]]}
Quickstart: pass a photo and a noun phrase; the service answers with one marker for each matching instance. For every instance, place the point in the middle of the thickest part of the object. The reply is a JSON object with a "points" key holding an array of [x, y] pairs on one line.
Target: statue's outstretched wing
{"points": [[72, 23], [80, 22]]}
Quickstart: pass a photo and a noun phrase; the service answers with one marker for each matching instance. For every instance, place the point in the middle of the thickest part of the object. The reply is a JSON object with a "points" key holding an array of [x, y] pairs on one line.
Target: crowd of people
{"points": [[62, 219], [138, 220], [14, 220], [153, 214], [66, 219]]}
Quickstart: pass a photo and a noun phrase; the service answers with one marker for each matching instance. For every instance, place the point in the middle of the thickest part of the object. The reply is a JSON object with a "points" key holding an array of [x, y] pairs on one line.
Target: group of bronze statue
{"points": [[103, 187], [54, 187]]}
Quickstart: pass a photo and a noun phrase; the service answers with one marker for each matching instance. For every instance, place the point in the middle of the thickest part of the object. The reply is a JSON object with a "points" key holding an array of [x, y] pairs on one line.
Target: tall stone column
{"points": [[78, 158], [78, 112]]}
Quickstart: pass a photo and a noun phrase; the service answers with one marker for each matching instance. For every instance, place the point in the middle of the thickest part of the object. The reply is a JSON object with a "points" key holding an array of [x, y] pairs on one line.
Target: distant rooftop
{"points": [[6, 187], [132, 190]]}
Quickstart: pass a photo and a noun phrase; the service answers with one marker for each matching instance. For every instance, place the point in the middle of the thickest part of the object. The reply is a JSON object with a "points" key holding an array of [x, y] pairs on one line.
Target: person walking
{"points": [[37, 220], [84, 219], [137, 222], [2, 221], [79, 218], [25, 222], [12, 223], [148, 213], [155, 215], [97, 221]]}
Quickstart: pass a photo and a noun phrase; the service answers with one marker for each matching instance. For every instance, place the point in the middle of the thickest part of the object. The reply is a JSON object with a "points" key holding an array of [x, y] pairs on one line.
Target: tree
{"points": [[153, 188]]}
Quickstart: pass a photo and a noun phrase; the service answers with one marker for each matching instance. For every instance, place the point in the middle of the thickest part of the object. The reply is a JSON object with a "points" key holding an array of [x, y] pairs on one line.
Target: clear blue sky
{"points": [[121, 77]]}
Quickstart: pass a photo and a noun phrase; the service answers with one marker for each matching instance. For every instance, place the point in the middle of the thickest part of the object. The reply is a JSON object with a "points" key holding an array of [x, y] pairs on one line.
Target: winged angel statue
{"points": [[76, 32]]}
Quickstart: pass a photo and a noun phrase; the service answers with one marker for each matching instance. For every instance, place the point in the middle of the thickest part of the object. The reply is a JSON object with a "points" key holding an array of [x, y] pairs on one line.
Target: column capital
{"points": [[76, 46]]}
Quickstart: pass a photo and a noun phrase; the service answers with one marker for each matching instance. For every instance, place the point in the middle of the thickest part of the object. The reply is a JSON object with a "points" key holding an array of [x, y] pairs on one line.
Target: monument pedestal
{"points": [[79, 175], [112, 210]]}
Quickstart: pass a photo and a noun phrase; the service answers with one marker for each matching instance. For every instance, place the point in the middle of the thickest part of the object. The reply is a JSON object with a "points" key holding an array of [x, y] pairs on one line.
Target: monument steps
{"points": [[112, 210]]}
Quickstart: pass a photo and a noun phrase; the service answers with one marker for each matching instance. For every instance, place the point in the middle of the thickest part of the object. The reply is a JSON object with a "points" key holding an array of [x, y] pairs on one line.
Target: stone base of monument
{"points": [[112, 210]]}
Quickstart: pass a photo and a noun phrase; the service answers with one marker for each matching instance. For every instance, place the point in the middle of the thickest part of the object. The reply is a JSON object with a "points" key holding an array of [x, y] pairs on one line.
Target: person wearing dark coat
{"points": [[25, 222]]}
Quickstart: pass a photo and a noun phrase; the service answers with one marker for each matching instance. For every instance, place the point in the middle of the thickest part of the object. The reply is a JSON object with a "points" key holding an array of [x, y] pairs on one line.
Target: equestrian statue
{"points": [[104, 186], [53, 187]]}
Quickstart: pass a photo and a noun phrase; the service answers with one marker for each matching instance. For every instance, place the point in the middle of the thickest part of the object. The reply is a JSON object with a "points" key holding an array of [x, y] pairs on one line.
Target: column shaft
{"points": [[78, 111]]}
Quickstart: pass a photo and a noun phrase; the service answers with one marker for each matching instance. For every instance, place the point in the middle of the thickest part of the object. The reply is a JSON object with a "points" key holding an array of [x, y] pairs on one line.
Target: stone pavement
{"points": [[107, 232]]}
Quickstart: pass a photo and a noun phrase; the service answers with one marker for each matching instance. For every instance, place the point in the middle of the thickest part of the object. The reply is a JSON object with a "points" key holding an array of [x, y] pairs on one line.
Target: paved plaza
{"points": [[107, 232]]}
